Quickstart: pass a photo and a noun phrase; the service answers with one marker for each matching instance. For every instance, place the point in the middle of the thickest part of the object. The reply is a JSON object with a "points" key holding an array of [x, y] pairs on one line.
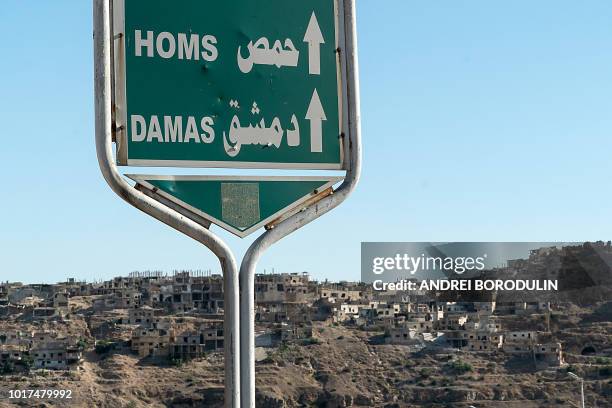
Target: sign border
{"points": [[119, 97], [142, 179]]}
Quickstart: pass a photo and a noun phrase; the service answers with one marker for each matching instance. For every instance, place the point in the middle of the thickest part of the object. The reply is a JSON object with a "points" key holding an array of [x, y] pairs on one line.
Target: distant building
{"points": [[473, 340], [44, 313], [195, 344], [292, 332], [51, 352], [144, 316], [60, 299], [149, 342]]}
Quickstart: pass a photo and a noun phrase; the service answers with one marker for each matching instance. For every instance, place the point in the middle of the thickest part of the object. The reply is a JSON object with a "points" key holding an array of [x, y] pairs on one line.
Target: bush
{"points": [[310, 341], [605, 371], [7, 368], [284, 347], [104, 346], [460, 367], [446, 382], [27, 361], [409, 364], [177, 362], [425, 373], [571, 369]]}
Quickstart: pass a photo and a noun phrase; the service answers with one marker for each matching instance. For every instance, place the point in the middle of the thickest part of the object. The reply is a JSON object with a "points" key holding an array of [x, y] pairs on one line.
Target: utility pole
{"points": [[577, 378]]}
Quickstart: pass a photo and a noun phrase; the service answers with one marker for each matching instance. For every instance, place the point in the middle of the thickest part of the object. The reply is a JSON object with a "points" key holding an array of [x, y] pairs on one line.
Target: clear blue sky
{"points": [[482, 121]]}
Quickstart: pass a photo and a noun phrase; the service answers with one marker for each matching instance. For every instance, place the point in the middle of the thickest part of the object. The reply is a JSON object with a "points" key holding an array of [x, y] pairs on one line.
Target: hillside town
{"points": [[174, 320]]}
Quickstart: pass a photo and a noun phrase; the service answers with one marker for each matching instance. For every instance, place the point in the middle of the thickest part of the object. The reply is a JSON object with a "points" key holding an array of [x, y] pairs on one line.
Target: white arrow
{"points": [[314, 38], [316, 116]]}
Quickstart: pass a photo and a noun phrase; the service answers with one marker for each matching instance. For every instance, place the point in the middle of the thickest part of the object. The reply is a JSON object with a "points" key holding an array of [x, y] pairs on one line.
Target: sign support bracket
{"points": [[183, 211], [296, 221], [149, 205]]}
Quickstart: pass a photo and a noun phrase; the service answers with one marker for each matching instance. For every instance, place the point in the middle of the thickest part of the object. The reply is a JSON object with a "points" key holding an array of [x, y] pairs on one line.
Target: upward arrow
{"points": [[316, 116], [314, 38]]}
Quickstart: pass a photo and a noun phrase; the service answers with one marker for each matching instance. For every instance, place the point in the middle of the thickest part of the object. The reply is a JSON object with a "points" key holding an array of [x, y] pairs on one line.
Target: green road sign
{"points": [[241, 205], [241, 84]]}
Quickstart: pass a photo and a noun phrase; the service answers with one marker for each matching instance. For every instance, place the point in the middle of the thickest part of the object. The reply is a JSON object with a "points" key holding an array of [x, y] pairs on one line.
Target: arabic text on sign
{"points": [[260, 53]]}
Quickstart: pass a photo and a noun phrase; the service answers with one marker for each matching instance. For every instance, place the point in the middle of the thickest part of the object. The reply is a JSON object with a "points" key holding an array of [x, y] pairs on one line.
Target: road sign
{"points": [[237, 84], [241, 84], [240, 205]]}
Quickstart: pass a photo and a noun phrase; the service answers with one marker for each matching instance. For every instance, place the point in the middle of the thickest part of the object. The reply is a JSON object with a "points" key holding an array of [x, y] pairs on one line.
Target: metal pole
{"points": [[575, 377], [104, 148], [293, 223]]}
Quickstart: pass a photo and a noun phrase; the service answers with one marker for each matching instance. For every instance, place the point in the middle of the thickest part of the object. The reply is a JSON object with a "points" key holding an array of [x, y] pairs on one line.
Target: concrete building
{"points": [[120, 298], [452, 321], [340, 293], [144, 316], [10, 353], [4, 294], [521, 337], [549, 353], [348, 311], [187, 293], [193, 344], [60, 300], [283, 288], [149, 342], [45, 313], [54, 354], [401, 335], [187, 346], [292, 332], [418, 325], [473, 340]]}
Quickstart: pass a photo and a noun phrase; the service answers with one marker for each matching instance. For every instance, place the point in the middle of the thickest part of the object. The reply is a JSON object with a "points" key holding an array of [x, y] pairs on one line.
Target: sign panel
{"points": [[240, 205], [241, 84]]}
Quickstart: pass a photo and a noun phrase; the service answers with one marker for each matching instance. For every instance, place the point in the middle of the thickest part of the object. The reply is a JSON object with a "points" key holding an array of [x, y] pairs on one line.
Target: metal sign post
{"points": [[164, 213], [243, 84], [293, 223]]}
